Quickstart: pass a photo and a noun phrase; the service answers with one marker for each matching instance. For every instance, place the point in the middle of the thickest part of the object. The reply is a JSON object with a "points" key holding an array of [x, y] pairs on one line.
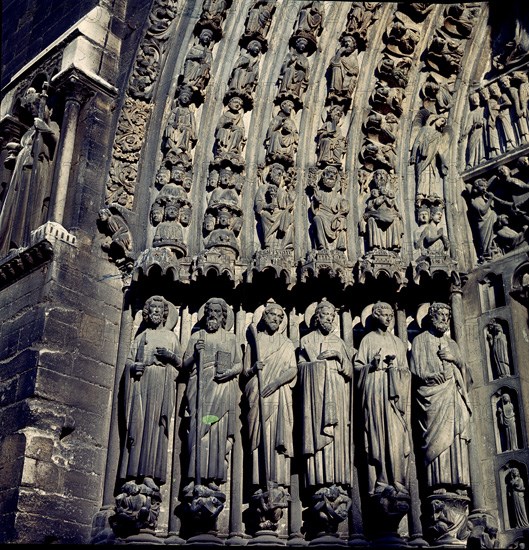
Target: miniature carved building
{"points": [[264, 273]]}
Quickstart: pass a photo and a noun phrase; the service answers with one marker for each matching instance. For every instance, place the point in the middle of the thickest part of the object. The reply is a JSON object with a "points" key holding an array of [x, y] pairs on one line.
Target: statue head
{"points": [[155, 311], [226, 177], [157, 212], [171, 211], [348, 43], [276, 174], [272, 316], [439, 314], [383, 315], [301, 44], [329, 177], [206, 36], [185, 95], [436, 213], [324, 316], [30, 101], [215, 314], [235, 103], [506, 398], [423, 215], [286, 106], [104, 214], [254, 47]]}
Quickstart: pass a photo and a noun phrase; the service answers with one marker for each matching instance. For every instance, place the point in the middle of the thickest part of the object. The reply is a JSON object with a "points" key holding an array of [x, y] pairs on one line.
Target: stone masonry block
{"points": [[39, 447], [11, 460], [84, 485]]}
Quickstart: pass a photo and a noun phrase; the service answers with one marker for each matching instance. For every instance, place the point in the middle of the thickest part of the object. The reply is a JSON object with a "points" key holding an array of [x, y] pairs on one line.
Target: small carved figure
{"points": [[325, 369], [483, 528], [170, 231], [506, 237], [386, 99], [360, 17], [259, 19], [491, 114], [197, 64], [294, 75], [483, 218], [383, 128], [513, 106], [433, 239], [120, 243], [274, 203], [382, 222], [331, 506], [402, 39], [445, 54], [520, 98], [213, 359], [227, 189], [473, 131], [516, 496], [230, 132], [282, 136], [180, 133], [507, 423], [137, 507], [25, 204], [331, 143], [509, 190], [213, 13], [499, 350], [310, 20], [384, 382], [378, 155], [443, 405], [150, 396], [504, 120], [344, 69], [459, 20], [429, 157], [329, 209], [393, 72], [246, 71], [226, 225]]}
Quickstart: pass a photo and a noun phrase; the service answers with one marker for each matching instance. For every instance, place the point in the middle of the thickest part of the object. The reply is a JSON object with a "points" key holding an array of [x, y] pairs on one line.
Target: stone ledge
{"points": [[22, 261]]}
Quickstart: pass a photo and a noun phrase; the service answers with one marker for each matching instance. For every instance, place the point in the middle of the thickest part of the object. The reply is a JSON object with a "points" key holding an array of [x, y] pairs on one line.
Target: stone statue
{"points": [[25, 204], [360, 17], [433, 239], [230, 132], [443, 405], [213, 359], [507, 423], [331, 143], [499, 351], [344, 69], [259, 19], [483, 218], [500, 91], [520, 96], [271, 369], [382, 222], [506, 237], [213, 13], [491, 131], [459, 20], [429, 155], [516, 499], [329, 211], [402, 39], [445, 54], [282, 136], [170, 231], [394, 72], [274, 205], [384, 383], [294, 76], [150, 395], [224, 229], [473, 130], [325, 370], [197, 64], [246, 71], [181, 134], [310, 20], [119, 241], [483, 528]]}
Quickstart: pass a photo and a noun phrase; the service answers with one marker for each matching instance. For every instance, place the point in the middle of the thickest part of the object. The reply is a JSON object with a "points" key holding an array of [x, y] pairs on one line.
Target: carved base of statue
{"points": [[483, 529], [267, 507], [389, 505], [137, 509], [428, 265], [334, 262], [163, 261], [219, 261], [447, 522], [279, 261], [203, 505], [382, 262], [330, 506]]}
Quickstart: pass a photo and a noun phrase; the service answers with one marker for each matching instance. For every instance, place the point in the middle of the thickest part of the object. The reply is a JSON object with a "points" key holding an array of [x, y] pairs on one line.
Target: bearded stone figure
{"points": [[444, 410], [150, 397], [213, 358]]}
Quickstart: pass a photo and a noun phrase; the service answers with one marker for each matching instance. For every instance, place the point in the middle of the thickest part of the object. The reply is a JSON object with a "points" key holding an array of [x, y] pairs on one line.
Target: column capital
{"points": [[80, 85]]}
